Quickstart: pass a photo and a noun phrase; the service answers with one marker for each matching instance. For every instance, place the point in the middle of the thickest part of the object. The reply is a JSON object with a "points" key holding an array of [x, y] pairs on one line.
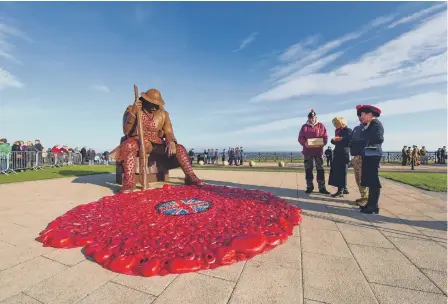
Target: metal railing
{"points": [[294, 157], [16, 161]]}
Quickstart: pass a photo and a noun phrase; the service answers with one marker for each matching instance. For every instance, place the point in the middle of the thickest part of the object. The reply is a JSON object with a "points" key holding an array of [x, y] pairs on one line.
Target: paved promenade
{"points": [[336, 255]]}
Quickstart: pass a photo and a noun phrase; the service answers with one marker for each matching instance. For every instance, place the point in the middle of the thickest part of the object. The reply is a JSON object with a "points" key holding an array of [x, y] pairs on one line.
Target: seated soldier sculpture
{"points": [[159, 139]]}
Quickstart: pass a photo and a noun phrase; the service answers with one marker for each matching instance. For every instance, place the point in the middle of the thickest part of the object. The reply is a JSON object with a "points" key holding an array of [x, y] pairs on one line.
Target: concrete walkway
{"points": [[337, 255]]}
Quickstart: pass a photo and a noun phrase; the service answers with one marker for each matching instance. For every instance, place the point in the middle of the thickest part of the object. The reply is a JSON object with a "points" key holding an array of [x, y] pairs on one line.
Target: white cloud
{"points": [[418, 15], [248, 40], [381, 21], [14, 32], [299, 49], [418, 53], [311, 56], [412, 104], [101, 88], [7, 79]]}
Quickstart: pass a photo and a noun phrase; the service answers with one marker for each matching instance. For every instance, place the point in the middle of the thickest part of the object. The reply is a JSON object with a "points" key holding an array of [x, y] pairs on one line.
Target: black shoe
{"points": [[309, 190], [368, 210], [337, 194], [324, 191], [346, 191]]}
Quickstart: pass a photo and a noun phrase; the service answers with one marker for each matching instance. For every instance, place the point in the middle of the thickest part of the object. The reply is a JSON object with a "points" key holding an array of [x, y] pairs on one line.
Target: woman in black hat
{"points": [[373, 135]]}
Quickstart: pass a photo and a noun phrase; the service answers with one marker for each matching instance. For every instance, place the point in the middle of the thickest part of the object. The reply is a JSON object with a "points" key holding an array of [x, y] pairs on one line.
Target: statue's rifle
{"points": [[142, 151]]}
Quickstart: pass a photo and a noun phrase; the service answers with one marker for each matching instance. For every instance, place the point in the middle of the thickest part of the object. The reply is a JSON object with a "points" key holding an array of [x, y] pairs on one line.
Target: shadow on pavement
{"points": [[100, 179], [342, 213]]}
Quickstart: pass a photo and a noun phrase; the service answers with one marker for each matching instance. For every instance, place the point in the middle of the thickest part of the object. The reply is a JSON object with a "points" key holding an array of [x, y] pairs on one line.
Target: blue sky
{"points": [[232, 74]]}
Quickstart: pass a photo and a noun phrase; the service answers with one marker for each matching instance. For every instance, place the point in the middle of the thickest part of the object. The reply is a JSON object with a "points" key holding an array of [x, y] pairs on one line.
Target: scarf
{"points": [[338, 131]]}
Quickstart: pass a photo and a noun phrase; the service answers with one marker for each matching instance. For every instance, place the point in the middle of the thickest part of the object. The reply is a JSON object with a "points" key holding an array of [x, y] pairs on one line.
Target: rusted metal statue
{"points": [[156, 136]]}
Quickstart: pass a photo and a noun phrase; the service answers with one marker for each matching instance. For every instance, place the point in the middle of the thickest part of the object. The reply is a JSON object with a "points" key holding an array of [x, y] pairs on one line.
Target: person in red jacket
{"points": [[310, 130]]}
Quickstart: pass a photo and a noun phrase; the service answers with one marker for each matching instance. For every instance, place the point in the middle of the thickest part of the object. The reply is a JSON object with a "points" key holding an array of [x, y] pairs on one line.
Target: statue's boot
{"points": [[184, 162]]}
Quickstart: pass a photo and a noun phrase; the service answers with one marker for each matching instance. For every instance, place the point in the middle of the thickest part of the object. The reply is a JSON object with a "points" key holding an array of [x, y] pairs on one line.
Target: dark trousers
{"points": [[374, 197], [329, 161], [309, 162]]}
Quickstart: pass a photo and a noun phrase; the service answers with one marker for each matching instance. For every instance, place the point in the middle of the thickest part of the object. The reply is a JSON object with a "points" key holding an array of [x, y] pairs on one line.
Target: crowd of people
{"points": [[19, 156], [415, 156], [363, 143], [234, 156]]}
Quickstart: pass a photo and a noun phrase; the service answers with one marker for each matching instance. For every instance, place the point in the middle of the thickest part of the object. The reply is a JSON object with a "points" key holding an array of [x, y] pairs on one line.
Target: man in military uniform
{"points": [[438, 153], [313, 155], [443, 155], [159, 140], [415, 155], [424, 156], [404, 156], [408, 155]]}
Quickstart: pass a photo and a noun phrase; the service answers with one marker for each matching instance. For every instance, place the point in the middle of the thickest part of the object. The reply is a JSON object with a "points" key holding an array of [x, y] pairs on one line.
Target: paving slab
{"points": [[287, 255], [266, 283], [307, 301], [438, 278], [153, 285], [316, 220], [391, 267], [196, 288], [21, 298], [395, 295], [324, 242], [72, 284], [13, 255], [333, 279], [112, 293], [364, 235], [68, 257], [423, 253], [20, 277], [229, 273]]}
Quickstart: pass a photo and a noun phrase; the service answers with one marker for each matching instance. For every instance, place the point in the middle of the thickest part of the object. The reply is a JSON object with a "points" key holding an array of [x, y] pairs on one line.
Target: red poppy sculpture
{"points": [[175, 229]]}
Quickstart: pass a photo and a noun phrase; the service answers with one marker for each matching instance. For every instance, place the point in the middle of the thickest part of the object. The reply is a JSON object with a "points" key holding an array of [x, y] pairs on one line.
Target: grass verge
{"points": [[51, 173], [426, 181]]}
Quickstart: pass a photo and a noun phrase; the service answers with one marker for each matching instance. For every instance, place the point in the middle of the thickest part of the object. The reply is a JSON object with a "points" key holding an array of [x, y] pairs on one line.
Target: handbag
{"points": [[370, 151]]}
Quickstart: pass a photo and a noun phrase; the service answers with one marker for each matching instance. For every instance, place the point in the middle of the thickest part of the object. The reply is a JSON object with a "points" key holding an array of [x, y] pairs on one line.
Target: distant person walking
{"points": [[106, 157], [329, 156], [223, 158], [231, 156], [84, 154], [237, 156], [91, 156], [443, 155]]}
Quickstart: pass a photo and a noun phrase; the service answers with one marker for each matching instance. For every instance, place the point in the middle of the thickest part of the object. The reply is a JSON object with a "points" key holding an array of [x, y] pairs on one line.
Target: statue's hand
{"points": [[171, 149], [137, 105]]}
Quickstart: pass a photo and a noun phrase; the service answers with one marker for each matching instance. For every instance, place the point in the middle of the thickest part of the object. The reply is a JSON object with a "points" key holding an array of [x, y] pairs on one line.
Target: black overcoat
{"points": [[341, 157], [374, 136]]}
